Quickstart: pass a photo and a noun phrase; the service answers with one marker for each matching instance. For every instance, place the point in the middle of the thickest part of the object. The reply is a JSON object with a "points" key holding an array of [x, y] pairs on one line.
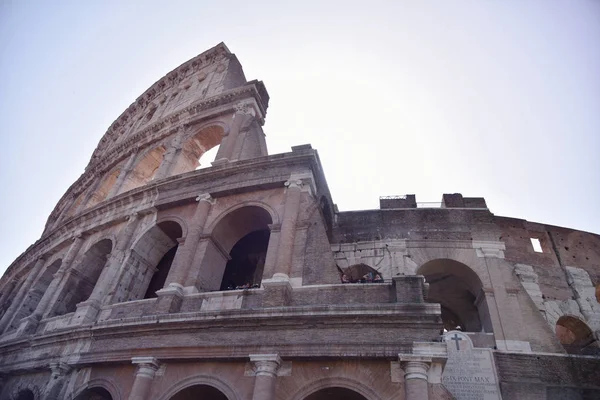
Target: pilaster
{"points": [[144, 376], [265, 369]]}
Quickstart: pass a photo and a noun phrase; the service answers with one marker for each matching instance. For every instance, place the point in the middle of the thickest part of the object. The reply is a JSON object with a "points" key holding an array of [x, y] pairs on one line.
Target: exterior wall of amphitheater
{"points": [[125, 295]]}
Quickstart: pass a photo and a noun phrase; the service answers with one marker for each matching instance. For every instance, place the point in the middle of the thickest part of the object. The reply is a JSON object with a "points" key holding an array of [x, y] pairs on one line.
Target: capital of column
{"points": [[294, 183], [415, 367], [265, 364], [246, 108], [146, 366], [206, 197], [59, 368]]}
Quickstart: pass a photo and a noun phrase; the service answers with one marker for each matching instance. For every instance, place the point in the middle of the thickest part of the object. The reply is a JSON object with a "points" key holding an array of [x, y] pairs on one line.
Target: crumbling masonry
{"points": [[239, 280]]}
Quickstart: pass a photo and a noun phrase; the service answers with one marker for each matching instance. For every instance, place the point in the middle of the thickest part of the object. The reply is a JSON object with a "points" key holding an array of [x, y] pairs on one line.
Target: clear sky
{"points": [[499, 99]]}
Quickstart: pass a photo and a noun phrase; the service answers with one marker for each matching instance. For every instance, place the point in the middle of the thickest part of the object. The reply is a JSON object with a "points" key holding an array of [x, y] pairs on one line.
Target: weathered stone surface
{"points": [[236, 279]]}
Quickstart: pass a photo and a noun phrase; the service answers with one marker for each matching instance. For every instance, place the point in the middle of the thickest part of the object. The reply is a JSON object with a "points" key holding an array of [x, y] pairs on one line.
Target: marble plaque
{"points": [[470, 373]]}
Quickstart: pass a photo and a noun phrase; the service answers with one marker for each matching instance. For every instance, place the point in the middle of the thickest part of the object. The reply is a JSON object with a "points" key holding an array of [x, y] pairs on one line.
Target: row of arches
{"points": [[459, 291], [238, 245], [195, 151], [210, 392]]}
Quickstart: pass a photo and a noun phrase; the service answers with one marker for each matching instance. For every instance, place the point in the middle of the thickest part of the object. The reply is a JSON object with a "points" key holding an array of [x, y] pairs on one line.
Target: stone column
{"points": [[169, 157], [185, 253], [88, 309], [144, 375], [287, 235], [265, 369], [57, 380], [30, 323], [415, 376], [33, 273], [243, 117], [123, 174]]}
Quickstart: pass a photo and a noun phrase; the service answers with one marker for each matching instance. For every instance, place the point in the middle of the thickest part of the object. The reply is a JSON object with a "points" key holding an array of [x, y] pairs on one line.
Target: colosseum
{"points": [[158, 278]]}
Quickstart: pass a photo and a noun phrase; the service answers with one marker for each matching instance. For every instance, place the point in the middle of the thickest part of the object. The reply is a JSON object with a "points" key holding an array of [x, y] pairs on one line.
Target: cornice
{"points": [[193, 114], [143, 199]]}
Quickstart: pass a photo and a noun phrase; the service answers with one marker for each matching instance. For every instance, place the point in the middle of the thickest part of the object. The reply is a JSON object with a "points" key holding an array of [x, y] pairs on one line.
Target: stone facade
{"points": [[157, 280]]}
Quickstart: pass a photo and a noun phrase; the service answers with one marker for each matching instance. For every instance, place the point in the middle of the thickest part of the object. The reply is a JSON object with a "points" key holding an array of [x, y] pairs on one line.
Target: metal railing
{"points": [[392, 197]]}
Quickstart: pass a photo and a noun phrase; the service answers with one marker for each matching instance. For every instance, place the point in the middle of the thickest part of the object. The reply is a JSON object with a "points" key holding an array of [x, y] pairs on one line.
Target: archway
{"points": [[575, 336], [458, 290], [96, 393], [194, 149], [200, 392], [335, 393], [235, 254], [151, 259], [360, 273], [103, 189], [245, 268], [144, 170], [25, 394], [35, 293], [83, 278]]}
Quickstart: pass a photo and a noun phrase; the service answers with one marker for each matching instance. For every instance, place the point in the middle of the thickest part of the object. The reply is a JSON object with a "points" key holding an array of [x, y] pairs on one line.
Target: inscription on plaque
{"points": [[470, 373]]}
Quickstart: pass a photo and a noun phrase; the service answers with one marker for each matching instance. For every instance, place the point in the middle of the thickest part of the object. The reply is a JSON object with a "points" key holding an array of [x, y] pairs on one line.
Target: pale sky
{"points": [[499, 99]]}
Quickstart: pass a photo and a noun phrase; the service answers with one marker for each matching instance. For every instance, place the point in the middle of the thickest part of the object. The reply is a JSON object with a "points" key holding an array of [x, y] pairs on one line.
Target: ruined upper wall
{"points": [[208, 74]]}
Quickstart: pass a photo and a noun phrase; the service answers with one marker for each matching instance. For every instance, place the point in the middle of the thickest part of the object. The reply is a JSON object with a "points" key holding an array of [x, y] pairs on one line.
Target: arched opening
{"points": [[35, 294], [145, 170], [103, 189], [199, 150], [360, 273], [575, 336], [335, 393], [96, 393], [458, 289], [245, 268], [199, 392], [83, 278], [25, 394], [151, 259], [235, 256]]}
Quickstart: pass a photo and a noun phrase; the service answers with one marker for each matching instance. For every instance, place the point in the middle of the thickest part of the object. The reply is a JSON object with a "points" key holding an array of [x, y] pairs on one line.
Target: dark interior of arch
{"points": [[35, 294], [94, 394], [335, 393], [199, 392], [455, 287], [25, 394], [89, 268], [163, 240], [245, 268]]}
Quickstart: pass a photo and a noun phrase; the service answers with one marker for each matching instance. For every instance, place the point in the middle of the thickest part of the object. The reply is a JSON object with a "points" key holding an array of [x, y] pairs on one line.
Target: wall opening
{"points": [[199, 392], [103, 189], [537, 246], [144, 170], [35, 293], [206, 159], [25, 394], [335, 393], [83, 278], [575, 336], [458, 290], [245, 268], [196, 151], [96, 393], [236, 252], [360, 273], [151, 260]]}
